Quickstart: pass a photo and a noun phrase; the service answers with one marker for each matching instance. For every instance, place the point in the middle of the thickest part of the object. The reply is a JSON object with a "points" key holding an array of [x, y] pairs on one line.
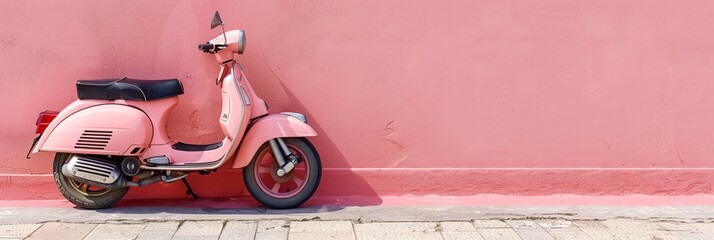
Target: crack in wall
{"points": [[391, 132], [676, 149]]}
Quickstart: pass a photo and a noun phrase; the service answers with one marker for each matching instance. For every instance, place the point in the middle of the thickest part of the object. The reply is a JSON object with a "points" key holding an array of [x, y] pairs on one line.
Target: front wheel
{"points": [[291, 189]]}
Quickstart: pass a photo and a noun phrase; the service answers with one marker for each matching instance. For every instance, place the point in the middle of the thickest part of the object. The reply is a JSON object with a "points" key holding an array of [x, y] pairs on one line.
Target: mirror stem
{"points": [[225, 39]]}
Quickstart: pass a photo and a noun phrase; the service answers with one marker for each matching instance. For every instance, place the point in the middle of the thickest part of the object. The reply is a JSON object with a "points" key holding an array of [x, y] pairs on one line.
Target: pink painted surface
{"points": [[483, 200], [408, 97], [268, 127], [128, 128]]}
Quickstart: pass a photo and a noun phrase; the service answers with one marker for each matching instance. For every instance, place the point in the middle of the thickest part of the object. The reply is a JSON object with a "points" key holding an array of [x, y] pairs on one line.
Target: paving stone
{"points": [[239, 230], [674, 226], [457, 227], [534, 234], [555, 223], [161, 226], [499, 234], [589, 224], [195, 237], [668, 236], [200, 228], [459, 231], [156, 235], [523, 224], [272, 226], [561, 233], [17, 230], [272, 229], [361, 235], [158, 231], [598, 233], [321, 230], [273, 235], [628, 226], [490, 224], [635, 229], [321, 235], [321, 226], [462, 235], [62, 231], [241, 225], [396, 227], [689, 235], [645, 235], [397, 230], [704, 227], [115, 231]]}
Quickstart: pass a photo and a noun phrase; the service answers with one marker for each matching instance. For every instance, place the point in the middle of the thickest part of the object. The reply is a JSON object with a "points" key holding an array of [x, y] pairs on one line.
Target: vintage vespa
{"points": [[114, 137]]}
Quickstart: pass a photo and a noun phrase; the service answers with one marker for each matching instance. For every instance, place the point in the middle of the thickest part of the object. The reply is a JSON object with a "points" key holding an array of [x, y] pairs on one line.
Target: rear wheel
{"points": [[291, 189], [81, 194]]}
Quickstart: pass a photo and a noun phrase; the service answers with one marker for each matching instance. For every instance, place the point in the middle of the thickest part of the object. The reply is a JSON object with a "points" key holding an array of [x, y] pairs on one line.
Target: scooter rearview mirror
{"points": [[216, 21]]}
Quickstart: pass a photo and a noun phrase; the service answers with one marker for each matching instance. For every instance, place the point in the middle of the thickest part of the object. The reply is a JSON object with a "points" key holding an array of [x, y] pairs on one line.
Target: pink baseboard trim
{"points": [[407, 200], [381, 182]]}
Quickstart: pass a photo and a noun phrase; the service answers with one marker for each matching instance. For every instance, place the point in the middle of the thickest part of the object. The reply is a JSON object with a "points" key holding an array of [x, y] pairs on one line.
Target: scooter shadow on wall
{"points": [[223, 192], [224, 189], [339, 187]]}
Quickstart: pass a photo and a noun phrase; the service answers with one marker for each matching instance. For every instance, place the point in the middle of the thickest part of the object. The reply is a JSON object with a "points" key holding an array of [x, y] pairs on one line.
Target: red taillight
{"points": [[44, 119]]}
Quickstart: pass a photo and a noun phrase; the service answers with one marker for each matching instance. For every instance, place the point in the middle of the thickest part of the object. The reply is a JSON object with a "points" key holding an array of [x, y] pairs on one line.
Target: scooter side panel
{"points": [[73, 107], [101, 129], [269, 127], [158, 111]]}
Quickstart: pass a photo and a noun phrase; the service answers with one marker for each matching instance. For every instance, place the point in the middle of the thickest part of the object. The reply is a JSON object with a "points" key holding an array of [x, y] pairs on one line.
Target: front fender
{"points": [[269, 127]]}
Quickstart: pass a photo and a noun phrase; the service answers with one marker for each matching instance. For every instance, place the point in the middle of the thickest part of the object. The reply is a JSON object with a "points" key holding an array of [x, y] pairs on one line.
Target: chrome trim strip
{"points": [[186, 167], [298, 116], [244, 96]]}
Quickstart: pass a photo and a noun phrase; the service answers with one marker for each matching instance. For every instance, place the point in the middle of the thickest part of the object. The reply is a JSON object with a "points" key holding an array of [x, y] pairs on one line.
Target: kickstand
{"points": [[188, 189]]}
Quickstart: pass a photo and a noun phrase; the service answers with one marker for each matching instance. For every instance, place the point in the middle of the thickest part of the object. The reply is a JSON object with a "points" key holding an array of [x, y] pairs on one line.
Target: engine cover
{"points": [[93, 169]]}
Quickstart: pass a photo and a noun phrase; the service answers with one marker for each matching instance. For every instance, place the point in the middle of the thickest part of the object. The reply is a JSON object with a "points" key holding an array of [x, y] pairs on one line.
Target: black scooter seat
{"points": [[128, 89]]}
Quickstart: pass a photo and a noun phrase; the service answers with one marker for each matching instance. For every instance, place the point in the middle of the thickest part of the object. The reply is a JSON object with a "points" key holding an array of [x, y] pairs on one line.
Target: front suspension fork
{"points": [[281, 152]]}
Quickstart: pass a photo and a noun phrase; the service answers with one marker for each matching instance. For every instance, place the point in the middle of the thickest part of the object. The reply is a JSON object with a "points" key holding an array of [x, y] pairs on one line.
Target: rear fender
{"points": [[66, 112], [104, 128], [269, 127]]}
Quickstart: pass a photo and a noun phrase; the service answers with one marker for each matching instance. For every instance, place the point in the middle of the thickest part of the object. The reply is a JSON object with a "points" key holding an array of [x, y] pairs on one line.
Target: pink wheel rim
{"points": [[286, 186]]}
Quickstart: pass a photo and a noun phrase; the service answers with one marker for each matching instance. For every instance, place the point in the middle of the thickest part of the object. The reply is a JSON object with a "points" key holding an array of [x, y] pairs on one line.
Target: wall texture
{"points": [[409, 97]]}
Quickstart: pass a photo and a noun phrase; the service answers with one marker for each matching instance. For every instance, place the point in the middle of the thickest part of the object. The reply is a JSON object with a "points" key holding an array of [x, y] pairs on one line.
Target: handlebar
{"points": [[212, 48], [205, 47]]}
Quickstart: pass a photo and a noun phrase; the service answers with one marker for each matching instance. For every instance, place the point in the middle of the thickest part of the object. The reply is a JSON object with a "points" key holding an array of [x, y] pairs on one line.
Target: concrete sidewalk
{"points": [[376, 222]]}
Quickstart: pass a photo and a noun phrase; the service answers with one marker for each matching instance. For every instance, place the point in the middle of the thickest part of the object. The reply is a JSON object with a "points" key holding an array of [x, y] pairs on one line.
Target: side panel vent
{"points": [[96, 140]]}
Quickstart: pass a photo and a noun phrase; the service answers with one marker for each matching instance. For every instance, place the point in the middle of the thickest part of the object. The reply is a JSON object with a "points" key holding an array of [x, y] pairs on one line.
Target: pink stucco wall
{"points": [[409, 97]]}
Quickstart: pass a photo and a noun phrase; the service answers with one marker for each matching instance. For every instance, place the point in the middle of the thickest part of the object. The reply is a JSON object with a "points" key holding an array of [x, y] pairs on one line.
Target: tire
{"points": [[257, 178], [90, 199]]}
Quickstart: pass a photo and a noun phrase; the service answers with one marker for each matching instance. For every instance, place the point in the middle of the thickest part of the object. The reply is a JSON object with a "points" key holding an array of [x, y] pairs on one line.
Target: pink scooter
{"points": [[114, 137]]}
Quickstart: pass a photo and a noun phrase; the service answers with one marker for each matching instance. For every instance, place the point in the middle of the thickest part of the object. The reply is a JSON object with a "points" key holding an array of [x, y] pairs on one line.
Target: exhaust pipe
{"points": [[121, 182], [101, 173]]}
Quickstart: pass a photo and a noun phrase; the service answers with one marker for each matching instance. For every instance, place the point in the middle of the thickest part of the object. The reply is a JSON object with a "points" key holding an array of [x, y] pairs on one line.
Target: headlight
{"points": [[241, 41]]}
